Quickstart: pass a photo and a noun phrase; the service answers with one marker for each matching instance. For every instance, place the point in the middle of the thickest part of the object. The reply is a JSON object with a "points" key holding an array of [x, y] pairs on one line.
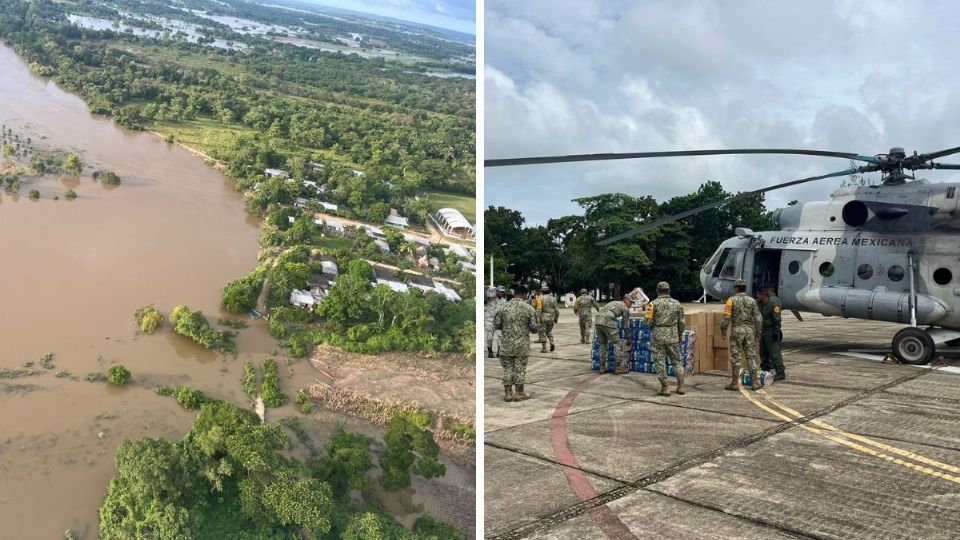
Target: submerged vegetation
{"points": [[118, 375], [148, 319]]}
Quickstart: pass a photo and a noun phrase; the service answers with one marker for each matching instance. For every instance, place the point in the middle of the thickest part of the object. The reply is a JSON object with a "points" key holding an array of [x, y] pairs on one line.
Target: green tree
{"points": [[73, 164], [240, 295], [148, 319], [118, 375], [378, 212], [346, 463], [410, 446]]}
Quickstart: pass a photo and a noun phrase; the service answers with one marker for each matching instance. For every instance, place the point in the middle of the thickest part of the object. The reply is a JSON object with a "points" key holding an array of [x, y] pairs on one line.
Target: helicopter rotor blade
{"points": [[676, 217], [950, 166], [940, 154], [681, 153]]}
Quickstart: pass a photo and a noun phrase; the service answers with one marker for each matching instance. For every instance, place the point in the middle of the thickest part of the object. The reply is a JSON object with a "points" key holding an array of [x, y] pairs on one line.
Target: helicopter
{"points": [[888, 252]]}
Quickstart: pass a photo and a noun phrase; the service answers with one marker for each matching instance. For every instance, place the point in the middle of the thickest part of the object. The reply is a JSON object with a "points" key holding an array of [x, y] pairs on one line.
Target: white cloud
{"points": [[580, 77]]}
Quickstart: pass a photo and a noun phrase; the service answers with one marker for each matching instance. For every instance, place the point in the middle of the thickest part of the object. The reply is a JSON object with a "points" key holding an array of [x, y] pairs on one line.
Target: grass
{"points": [[466, 205], [333, 242], [203, 134]]}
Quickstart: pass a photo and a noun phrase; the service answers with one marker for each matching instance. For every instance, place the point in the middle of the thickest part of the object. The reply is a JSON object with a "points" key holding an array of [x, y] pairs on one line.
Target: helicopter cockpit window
{"points": [[731, 266], [716, 262], [895, 273], [826, 269], [865, 271]]}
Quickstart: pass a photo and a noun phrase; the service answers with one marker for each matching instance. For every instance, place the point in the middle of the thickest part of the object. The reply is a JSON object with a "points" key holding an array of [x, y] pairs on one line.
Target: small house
{"points": [[396, 220], [275, 173]]}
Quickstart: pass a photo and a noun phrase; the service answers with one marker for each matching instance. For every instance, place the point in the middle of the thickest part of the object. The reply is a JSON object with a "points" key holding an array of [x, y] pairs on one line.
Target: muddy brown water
{"points": [[71, 275]]}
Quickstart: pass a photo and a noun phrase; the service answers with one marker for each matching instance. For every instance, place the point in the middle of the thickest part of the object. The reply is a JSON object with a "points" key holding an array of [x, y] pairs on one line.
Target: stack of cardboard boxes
{"points": [[712, 352]]}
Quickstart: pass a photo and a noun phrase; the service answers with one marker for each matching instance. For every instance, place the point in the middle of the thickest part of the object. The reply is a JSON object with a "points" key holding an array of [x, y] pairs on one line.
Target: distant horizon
{"points": [[442, 17]]}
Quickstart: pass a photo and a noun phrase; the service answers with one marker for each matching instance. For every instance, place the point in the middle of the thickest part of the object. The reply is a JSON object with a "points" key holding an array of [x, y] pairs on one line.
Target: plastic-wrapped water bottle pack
{"points": [[639, 357]]}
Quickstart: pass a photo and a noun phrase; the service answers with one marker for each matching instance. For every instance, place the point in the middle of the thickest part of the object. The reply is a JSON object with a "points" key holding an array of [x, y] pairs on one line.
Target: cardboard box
{"points": [[721, 360], [719, 343]]}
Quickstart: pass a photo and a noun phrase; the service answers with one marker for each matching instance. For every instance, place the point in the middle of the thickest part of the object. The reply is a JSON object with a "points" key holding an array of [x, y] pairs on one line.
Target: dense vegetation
{"points": [[228, 478], [274, 105], [195, 326], [362, 318], [564, 253], [375, 134]]}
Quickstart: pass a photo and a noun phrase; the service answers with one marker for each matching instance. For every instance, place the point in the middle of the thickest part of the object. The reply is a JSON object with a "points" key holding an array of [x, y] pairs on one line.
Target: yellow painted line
{"points": [[851, 444], [899, 451]]}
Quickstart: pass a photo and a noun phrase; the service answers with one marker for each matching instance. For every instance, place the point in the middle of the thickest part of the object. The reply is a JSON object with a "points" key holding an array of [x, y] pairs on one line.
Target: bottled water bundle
{"points": [[638, 357], [766, 378]]}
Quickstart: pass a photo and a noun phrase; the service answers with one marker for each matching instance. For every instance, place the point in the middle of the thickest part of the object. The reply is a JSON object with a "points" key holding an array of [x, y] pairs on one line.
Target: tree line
{"points": [[564, 253]]}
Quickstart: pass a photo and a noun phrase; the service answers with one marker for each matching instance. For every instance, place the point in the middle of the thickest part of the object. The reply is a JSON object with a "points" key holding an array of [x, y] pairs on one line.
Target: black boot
{"points": [[551, 346]]}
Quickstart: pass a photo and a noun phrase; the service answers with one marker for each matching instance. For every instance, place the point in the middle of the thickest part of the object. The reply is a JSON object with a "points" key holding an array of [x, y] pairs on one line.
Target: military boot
{"points": [[680, 386], [489, 352], [519, 394], [621, 370], [543, 347], [551, 347], [508, 393], [664, 389], [734, 383], [756, 381]]}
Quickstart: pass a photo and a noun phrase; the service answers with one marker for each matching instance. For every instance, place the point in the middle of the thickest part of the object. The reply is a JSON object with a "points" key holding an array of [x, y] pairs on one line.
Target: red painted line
{"points": [[609, 523]]}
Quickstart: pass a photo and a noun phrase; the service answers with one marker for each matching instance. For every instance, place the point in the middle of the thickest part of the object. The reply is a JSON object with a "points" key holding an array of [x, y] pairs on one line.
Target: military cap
{"points": [[740, 283], [501, 289], [583, 291], [544, 288], [663, 286], [520, 289]]}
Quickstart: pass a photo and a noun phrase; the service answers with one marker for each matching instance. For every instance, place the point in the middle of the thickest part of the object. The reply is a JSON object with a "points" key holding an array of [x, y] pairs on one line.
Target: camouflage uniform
{"points": [[584, 307], [665, 317], [517, 320], [489, 310], [498, 334], [606, 331], [770, 355], [549, 314], [743, 312]]}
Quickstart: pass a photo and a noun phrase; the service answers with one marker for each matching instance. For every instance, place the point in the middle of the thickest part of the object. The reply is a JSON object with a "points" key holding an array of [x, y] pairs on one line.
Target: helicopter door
{"points": [[766, 269], [795, 276]]}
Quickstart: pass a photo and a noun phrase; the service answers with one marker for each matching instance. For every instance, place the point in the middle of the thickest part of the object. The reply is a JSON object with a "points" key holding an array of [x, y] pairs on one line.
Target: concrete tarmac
{"points": [[845, 447]]}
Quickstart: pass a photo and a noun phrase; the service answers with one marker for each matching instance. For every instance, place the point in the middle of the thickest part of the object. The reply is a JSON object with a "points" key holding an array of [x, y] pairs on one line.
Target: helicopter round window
{"points": [[865, 271], [793, 267], [895, 273], [942, 276], [826, 269]]}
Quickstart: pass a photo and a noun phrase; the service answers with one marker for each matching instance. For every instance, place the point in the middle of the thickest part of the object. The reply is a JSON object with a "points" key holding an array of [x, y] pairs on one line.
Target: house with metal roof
{"points": [[453, 223]]}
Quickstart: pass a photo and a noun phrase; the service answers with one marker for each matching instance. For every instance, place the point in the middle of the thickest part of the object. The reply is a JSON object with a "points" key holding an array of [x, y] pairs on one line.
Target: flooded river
{"points": [[71, 275]]}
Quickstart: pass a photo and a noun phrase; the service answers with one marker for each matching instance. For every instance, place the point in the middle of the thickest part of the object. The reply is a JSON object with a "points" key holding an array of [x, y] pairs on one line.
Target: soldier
{"points": [[490, 307], [583, 307], [548, 315], [665, 317], [743, 312], [770, 355], [517, 320], [606, 331], [501, 301]]}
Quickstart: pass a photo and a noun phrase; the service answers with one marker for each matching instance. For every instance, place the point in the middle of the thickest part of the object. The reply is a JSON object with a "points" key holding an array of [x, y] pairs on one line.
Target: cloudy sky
{"points": [[578, 76], [459, 15]]}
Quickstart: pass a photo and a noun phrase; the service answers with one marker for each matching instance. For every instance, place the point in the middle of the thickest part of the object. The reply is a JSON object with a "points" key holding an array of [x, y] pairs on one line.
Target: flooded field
{"points": [[71, 275]]}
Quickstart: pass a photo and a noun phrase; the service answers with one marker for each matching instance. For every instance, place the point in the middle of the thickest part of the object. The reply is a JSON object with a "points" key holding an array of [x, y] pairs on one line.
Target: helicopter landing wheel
{"points": [[913, 346]]}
